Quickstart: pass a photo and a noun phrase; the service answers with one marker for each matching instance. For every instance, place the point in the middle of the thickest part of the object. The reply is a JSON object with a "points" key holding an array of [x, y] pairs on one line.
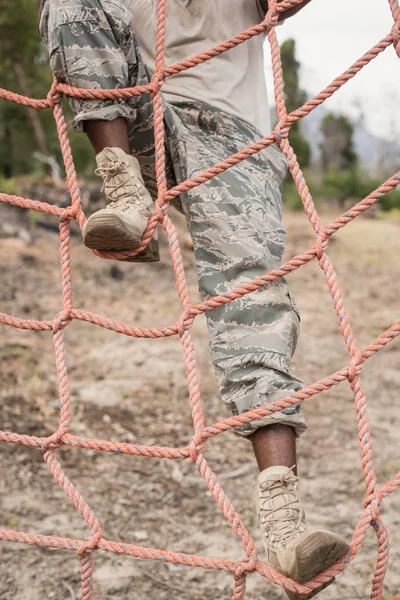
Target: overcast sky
{"points": [[332, 34]]}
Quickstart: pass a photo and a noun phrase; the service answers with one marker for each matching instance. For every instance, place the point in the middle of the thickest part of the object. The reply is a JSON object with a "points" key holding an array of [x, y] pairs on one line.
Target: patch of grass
{"points": [[291, 198], [387, 470], [12, 520], [8, 186], [34, 217]]}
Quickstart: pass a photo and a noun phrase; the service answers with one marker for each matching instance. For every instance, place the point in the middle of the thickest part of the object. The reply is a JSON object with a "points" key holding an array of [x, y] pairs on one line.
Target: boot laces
{"points": [[108, 172], [282, 522]]}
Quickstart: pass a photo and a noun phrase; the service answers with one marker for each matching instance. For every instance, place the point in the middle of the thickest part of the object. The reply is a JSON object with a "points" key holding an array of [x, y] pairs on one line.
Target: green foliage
{"points": [[300, 146], [21, 49], [366, 185], [351, 185], [82, 152], [294, 98], [19, 40], [290, 194], [355, 184], [294, 95], [34, 218], [337, 148], [391, 201], [8, 186], [19, 44], [291, 198], [346, 184]]}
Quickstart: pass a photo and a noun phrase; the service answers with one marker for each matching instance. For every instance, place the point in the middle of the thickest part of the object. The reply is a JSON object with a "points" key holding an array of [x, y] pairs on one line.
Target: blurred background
{"points": [[135, 390], [350, 143]]}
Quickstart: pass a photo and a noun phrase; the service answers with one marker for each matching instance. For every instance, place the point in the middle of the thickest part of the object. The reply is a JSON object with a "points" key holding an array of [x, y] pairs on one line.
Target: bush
{"points": [[7, 186], [342, 184], [290, 197], [351, 184], [391, 201], [354, 183]]}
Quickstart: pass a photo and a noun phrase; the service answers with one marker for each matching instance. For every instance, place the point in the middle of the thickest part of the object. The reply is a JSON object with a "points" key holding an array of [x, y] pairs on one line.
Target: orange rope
{"points": [[195, 449]]}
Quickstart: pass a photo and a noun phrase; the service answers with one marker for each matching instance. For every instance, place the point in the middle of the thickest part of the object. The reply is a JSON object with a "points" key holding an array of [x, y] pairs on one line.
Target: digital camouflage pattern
{"points": [[234, 219]]}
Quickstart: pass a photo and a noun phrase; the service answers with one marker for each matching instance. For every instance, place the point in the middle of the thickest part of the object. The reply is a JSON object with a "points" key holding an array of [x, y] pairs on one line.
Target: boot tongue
{"points": [[113, 169], [279, 497]]}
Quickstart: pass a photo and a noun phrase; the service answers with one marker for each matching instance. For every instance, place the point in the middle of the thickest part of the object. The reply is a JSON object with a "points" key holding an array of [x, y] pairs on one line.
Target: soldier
{"points": [[211, 111]]}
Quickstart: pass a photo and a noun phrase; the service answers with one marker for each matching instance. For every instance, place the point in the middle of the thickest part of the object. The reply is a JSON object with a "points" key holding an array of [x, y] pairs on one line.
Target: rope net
{"points": [[201, 433]]}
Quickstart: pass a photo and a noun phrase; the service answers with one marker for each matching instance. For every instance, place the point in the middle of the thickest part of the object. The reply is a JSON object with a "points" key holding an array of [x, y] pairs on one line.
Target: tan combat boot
{"points": [[121, 225], [291, 549]]}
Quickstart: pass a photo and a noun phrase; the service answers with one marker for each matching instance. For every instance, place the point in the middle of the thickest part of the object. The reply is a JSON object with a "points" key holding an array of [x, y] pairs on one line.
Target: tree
{"points": [[24, 68], [342, 177], [337, 151], [19, 44], [294, 97]]}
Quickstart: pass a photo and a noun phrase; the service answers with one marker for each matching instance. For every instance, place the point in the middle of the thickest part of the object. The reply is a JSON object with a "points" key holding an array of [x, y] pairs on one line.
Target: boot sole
{"points": [[149, 254], [109, 232], [316, 553], [296, 596], [105, 232]]}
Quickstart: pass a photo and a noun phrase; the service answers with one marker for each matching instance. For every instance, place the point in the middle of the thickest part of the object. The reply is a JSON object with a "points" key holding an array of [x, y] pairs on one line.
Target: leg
{"points": [[235, 221], [106, 134], [275, 445], [92, 45], [251, 374]]}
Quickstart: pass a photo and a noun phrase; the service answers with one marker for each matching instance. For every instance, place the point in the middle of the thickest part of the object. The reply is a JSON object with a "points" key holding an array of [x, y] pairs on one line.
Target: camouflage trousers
{"points": [[234, 219]]}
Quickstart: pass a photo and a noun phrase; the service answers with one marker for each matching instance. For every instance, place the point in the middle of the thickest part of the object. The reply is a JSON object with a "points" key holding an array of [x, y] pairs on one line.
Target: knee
{"points": [[78, 32]]}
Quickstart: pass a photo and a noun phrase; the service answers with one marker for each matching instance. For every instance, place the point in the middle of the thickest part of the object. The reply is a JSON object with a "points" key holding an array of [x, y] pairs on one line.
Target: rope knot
{"points": [[282, 129], [69, 213], [321, 242], [55, 440], [91, 544], [157, 81], [248, 565], [62, 319], [160, 211], [375, 503], [54, 97], [356, 365], [196, 446], [185, 321]]}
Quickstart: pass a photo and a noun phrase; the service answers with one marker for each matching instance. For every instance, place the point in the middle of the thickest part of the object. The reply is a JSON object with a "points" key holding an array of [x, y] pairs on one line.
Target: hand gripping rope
{"points": [[195, 449]]}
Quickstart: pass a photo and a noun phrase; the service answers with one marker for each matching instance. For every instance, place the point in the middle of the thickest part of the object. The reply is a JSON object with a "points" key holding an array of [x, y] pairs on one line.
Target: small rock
{"points": [[116, 273], [141, 536]]}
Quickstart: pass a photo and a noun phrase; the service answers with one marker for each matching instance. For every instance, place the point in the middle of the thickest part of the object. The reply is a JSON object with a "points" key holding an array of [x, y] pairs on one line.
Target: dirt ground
{"points": [[135, 390]]}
